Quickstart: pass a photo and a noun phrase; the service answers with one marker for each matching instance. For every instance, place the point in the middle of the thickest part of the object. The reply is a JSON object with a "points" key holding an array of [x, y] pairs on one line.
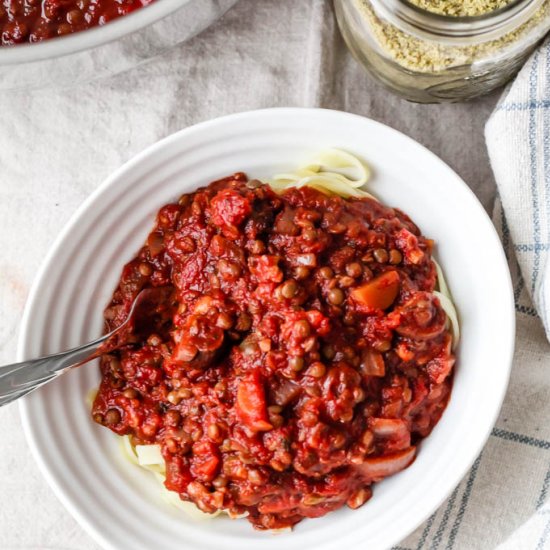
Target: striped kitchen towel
{"points": [[518, 140], [504, 500]]}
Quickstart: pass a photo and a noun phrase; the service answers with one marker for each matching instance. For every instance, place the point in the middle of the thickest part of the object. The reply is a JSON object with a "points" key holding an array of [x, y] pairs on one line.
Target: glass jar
{"points": [[433, 58]]}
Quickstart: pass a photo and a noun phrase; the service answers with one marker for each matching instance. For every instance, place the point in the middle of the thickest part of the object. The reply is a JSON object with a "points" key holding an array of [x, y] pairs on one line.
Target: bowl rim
{"points": [[506, 350], [90, 38]]}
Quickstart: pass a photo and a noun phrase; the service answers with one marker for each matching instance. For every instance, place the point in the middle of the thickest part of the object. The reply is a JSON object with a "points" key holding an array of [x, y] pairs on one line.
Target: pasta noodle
{"points": [[446, 301], [332, 172]]}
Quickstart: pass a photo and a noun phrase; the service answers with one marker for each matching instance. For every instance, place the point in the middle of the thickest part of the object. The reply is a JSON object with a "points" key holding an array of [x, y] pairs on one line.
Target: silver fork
{"points": [[19, 379]]}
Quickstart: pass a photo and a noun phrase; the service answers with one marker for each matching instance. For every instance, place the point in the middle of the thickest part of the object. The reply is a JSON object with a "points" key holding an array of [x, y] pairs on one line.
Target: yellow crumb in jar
{"points": [[460, 8]]}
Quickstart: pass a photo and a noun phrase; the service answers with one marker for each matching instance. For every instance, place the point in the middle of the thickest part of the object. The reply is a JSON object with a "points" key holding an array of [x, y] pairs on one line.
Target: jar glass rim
{"points": [[494, 22]]}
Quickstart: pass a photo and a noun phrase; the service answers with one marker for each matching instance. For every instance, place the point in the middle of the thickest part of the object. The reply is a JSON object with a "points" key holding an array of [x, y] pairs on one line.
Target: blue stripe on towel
{"points": [[520, 438], [520, 285], [546, 148], [533, 105], [544, 536], [464, 503], [533, 81], [424, 535], [530, 311], [544, 490], [532, 247], [444, 520]]}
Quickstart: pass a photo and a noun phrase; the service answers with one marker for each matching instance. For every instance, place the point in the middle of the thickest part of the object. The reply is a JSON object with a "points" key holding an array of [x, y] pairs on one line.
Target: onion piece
{"points": [[388, 427], [376, 469], [372, 363], [149, 455], [308, 260]]}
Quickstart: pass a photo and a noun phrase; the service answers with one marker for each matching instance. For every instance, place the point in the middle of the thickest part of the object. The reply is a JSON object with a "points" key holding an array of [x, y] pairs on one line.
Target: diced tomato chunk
{"points": [[229, 209], [206, 460], [251, 404], [439, 368], [177, 474]]}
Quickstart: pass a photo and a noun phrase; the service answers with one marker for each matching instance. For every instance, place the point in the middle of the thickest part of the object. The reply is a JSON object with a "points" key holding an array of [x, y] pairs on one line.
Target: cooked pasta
{"points": [[332, 172]]}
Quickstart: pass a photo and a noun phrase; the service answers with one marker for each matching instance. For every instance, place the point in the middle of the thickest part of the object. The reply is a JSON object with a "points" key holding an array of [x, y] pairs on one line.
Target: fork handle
{"points": [[19, 379]]}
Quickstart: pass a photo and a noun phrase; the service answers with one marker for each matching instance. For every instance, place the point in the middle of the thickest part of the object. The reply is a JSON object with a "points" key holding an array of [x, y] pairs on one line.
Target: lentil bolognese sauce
{"points": [[36, 20], [300, 355]]}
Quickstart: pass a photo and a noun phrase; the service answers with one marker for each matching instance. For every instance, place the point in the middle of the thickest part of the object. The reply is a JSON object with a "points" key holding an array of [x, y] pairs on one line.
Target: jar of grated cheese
{"points": [[433, 51]]}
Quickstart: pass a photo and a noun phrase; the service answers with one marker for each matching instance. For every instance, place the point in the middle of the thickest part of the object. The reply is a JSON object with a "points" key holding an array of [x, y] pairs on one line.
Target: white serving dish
{"points": [[120, 506]]}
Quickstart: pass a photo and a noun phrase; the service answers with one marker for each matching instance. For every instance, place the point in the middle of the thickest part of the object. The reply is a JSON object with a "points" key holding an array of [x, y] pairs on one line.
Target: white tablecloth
{"points": [[57, 146]]}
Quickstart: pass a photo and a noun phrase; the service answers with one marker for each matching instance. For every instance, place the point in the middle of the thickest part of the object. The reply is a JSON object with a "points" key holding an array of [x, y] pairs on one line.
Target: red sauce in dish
{"points": [[300, 358], [36, 20]]}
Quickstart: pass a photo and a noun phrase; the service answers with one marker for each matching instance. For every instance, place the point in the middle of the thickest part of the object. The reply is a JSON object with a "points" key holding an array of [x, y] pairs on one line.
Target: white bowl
{"points": [[120, 505], [108, 49]]}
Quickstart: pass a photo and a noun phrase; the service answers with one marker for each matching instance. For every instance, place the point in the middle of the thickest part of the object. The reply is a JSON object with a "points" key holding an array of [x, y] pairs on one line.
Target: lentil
{"points": [[112, 417], [395, 257], [145, 269], [381, 255], [346, 282], [354, 270], [130, 393], [289, 289], [196, 435], [382, 345], [329, 352], [302, 272], [296, 363], [302, 329], [172, 445], [336, 296], [172, 418], [213, 431], [224, 321], [317, 370]]}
